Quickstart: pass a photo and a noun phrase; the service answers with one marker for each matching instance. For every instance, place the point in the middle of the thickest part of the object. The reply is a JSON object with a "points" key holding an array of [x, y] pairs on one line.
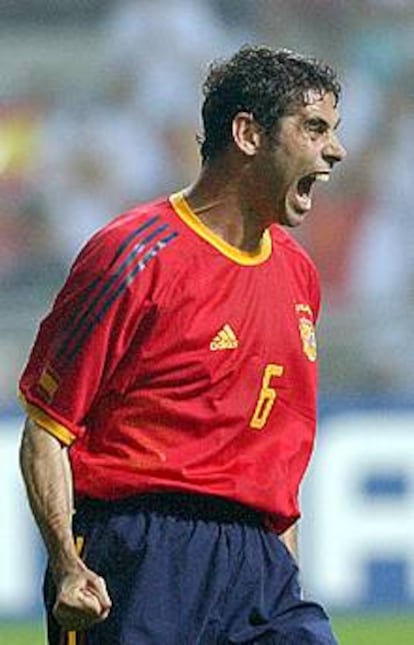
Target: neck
{"points": [[219, 199]]}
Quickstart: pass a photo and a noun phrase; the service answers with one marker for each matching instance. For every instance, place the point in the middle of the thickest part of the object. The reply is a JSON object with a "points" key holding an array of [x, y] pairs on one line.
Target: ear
{"points": [[246, 133]]}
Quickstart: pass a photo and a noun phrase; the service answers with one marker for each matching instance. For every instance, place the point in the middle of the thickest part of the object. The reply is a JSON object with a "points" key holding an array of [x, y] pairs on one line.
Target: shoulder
{"points": [[301, 267], [130, 238], [291, 247]]}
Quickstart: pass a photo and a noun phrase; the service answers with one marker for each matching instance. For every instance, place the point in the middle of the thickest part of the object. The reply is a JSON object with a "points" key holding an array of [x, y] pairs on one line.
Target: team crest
{"points": [[307, 332]]}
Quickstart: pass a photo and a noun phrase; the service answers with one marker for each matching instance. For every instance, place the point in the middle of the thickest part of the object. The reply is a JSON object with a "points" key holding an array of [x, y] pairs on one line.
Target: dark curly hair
{"points": [[262, 81]]}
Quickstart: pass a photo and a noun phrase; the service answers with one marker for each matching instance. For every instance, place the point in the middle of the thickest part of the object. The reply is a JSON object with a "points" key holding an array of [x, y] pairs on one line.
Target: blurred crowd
{"points": [[86, 135]]}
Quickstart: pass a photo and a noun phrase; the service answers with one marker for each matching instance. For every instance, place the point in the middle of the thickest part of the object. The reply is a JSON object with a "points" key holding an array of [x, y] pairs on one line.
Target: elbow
{"points": [[36, 444], [24, 448]]}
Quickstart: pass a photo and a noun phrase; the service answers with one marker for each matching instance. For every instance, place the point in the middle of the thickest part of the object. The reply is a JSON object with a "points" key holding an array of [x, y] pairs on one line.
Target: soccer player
{"points": [[172, 387]]}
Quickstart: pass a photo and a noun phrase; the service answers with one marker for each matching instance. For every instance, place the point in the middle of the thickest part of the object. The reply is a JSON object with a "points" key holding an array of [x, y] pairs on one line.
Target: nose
{"points": [[334, 151]]}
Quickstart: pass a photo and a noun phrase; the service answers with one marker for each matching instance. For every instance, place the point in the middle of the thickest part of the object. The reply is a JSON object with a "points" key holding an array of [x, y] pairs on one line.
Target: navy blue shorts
{"points": [[190, 570]]}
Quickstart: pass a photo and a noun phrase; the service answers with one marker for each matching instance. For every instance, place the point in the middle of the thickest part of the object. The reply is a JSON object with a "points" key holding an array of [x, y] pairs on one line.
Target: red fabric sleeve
{"points": [[86, 334]]}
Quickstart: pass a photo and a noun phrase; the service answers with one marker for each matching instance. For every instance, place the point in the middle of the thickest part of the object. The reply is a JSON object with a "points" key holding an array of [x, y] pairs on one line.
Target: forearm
{"points": [[47, 475], [290, 540], [82, 598]]}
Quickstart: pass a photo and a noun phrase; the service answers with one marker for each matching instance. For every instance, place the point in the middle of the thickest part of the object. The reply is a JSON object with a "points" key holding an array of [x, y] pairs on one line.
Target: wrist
{"points": [[65, 562]]}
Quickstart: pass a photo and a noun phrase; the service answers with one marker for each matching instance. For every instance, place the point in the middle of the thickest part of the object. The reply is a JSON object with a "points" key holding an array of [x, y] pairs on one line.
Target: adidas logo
{"points": [[225, 339]]}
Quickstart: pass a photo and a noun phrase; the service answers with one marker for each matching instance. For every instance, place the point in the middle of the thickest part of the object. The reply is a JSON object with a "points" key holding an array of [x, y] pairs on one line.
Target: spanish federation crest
{"points": [[307, 331]]}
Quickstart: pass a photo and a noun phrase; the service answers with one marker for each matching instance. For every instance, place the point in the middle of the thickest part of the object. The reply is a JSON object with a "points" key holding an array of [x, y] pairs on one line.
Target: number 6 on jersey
{"points": [[267, 397]]}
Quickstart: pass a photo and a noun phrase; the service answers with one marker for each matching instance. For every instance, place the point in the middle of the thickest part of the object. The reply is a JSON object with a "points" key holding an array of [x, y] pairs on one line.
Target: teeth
{"points": [[322, 176]]}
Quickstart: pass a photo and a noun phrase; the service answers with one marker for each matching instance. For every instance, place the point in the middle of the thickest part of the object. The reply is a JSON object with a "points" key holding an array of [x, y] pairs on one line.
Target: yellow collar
{"points": [[246, 258]]}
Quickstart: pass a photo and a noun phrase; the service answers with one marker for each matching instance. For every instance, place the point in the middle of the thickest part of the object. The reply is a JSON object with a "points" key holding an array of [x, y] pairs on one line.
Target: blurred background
{"points": [[99, 109]]}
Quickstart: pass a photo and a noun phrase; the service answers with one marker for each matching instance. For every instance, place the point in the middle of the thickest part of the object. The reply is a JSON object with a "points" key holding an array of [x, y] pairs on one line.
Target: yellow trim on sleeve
{"points": [[183, 210], [45, 421]]}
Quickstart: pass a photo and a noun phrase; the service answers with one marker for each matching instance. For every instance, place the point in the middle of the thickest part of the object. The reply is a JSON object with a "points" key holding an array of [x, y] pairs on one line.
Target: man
{"points": [[174, 383]]}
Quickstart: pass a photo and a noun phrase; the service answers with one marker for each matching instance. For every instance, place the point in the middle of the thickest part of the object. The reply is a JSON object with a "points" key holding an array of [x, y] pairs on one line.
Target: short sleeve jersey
{"points": [[172, 361]]}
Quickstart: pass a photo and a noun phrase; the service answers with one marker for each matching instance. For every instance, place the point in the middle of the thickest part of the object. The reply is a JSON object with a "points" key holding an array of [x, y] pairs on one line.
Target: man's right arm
{"points": [[82, 598]]}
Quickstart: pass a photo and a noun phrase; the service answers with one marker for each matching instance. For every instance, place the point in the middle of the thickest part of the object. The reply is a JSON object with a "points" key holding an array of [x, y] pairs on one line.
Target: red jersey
{"points": [[174, 361]]}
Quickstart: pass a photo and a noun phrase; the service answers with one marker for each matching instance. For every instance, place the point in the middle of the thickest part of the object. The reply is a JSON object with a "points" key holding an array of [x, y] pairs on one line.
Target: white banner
{"points": [[358, 507], [19, 545]]}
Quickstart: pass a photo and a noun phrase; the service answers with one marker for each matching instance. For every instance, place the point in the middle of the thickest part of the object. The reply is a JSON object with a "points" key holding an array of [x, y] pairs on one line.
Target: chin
{"points": [[292, 219], [291, 216], [287, 215]]}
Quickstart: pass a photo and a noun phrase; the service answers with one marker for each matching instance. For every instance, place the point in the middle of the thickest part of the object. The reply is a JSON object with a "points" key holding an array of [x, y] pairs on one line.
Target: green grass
{"points": [[350, 630], [22, 634], [374, 630]]}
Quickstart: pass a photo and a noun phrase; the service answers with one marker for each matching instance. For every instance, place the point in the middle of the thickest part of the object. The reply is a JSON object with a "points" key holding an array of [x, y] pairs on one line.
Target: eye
{"points": [[316, 126]]}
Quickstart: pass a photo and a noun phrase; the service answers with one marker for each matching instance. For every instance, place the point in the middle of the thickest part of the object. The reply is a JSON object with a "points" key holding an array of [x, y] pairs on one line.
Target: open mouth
{"points": [[304, 188], [305, 184]]}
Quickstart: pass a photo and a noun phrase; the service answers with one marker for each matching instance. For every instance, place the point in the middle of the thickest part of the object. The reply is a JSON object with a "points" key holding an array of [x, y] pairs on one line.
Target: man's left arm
{"points": [[290, 540]]}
